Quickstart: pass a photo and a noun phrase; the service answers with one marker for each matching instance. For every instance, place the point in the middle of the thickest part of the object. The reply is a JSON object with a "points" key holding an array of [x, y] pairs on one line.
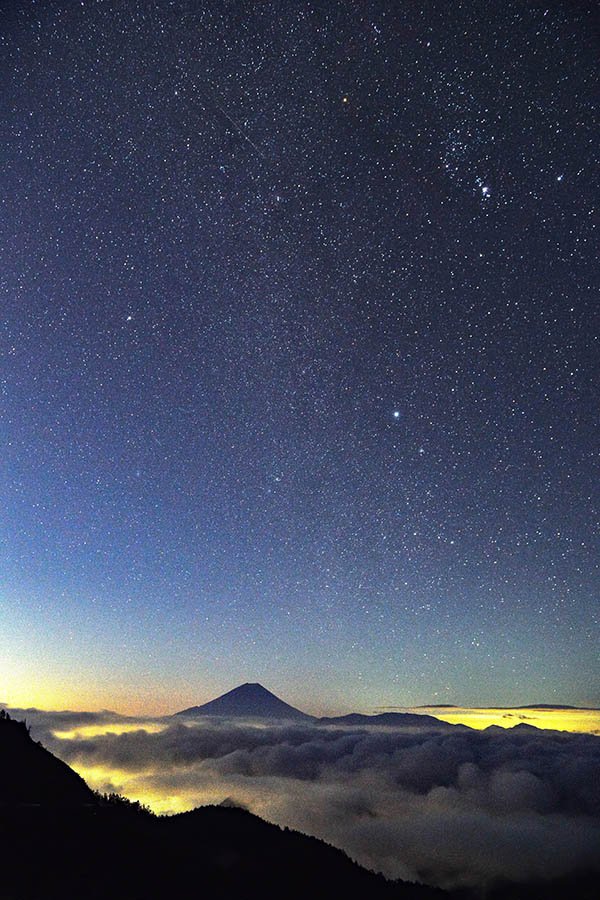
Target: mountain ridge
{"points": [[98, 846], [32, 776], [104, 845], [248, 700], [252, 700], [389, 720]]}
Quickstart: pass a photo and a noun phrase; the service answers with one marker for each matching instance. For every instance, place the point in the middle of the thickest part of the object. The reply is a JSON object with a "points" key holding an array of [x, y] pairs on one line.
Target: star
{"points": [[232, 287]]}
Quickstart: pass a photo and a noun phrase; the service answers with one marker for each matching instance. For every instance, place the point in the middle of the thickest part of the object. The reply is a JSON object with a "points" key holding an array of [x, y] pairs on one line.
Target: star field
{"points": [[299, 350]]}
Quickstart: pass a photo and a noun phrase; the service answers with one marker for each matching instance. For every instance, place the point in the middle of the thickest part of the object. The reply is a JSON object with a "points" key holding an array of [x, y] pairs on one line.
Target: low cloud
{"points": [[450, 807], [48, 721]]}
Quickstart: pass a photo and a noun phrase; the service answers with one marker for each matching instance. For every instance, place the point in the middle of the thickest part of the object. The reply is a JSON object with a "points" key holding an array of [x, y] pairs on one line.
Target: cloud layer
{"points": [[450, 807]]}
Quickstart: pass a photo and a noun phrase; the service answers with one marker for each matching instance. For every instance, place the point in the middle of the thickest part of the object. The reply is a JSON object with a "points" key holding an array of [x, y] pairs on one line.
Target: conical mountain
{"points": [[247, 701]]}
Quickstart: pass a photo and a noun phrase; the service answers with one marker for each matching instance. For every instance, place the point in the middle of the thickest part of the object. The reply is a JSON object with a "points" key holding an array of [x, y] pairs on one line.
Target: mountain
{"points": [[96, 847], [394, 720], [557, 706], [61, 841], [31, 776], [254, 701], [247, 701]]}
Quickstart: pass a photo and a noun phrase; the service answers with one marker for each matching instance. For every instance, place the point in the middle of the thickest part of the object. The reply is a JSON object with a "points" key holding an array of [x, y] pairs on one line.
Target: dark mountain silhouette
{"points": [[438, 706], [558, 706], [255, 701], [524, 706], [391, 719], [520, 727], [62, 841], [247, 701], [29, 774]]}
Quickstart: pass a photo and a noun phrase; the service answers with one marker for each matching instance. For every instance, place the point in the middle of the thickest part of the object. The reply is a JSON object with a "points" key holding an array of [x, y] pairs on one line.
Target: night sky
{"points": [[299, 352]]}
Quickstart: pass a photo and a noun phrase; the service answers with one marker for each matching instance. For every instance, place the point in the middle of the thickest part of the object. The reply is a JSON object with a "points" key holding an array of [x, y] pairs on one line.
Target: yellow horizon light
{"points": [[572, 720]]}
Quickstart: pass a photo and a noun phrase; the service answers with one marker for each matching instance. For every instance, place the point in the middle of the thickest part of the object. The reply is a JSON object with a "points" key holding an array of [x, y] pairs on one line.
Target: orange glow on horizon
{"points": [[137, 786], [146, 783], [153, 702], [89, 731], [575, 720]]}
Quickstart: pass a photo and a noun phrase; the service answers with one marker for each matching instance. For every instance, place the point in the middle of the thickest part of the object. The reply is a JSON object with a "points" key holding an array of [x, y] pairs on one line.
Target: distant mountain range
{"points": [[250, 701], [390, 720], [62, 841], [549, 706], [253, 701]]}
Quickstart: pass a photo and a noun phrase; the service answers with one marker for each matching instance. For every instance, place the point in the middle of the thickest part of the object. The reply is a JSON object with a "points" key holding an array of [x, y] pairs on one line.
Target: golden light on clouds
{"points": [[144, 786], [576, 720], [188, 786], [91, 731]]}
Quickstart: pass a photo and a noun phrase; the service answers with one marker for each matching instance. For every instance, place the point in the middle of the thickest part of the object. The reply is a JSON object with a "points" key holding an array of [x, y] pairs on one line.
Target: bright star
{"points": [[396, 413]]}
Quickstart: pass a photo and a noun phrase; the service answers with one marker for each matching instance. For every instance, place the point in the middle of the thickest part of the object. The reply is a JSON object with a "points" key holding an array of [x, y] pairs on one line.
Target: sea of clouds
{"points": [[449, 806]]}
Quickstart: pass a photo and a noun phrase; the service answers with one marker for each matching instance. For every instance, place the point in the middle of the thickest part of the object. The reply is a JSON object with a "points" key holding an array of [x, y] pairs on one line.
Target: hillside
{"points": [[30, 775], [63, 841]]}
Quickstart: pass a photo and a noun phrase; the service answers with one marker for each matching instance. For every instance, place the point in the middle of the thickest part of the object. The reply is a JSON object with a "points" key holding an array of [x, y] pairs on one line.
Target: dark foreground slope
{"points": [[30, 775], [60, 841], [212, 852]]}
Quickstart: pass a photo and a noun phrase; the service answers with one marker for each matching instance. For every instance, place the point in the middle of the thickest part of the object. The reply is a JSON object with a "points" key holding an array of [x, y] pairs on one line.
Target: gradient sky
{"points": [[298, 353]]}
